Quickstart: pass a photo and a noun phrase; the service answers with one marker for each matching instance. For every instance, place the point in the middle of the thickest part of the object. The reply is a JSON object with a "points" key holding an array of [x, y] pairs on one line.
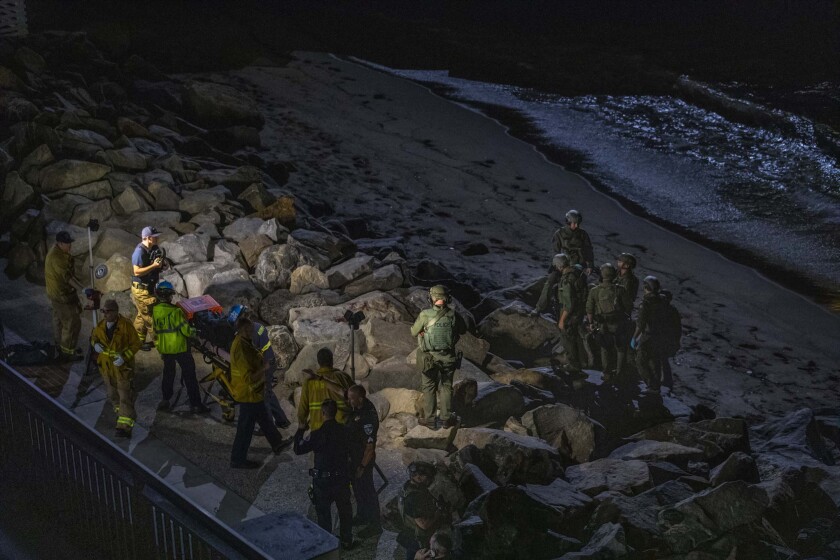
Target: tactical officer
{"points": [[146, 266], [115, 342], [608, 308], [326, 383], [363, 425], [260, 341], [440, 547], [419, 511], [568, 284], [331, 474], [625, 263], [437, 330], [647, 340], [247, 387], [60, 276], [172, 332], [574, 242]]}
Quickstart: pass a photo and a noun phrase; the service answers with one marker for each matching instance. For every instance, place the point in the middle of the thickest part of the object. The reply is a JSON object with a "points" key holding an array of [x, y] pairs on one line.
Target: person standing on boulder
{"points": [[437, 330], [574, 242], [115, 344], [60, 276], [608, 308], [146, 272]]}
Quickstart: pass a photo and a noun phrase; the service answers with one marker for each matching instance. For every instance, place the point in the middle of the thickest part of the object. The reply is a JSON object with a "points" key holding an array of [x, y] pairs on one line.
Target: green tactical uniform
{"points": [[570, 289], [412, 530], [437, 330], [610, 306], [649, 350], [66, 320], [575, 243], [630, 284]]}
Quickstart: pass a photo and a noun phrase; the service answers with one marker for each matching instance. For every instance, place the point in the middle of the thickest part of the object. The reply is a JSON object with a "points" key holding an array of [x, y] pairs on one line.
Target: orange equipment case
{"points": [[191, 306]]}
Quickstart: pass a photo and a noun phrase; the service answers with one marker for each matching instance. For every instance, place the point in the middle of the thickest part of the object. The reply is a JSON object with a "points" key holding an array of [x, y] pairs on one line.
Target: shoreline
{"points": [[522, 128]]}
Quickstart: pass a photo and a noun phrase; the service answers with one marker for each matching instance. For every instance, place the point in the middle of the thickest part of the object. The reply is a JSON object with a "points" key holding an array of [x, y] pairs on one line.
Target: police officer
{"points": [[331, 474], [247, 387], [437, 330], [647, 340], [172, 332], [574, 242], [146, 268], [608, 308], [60, 276], [568, 284], [116, 343], [418, 510], [363, 425], [625, 263], [260, 341]]}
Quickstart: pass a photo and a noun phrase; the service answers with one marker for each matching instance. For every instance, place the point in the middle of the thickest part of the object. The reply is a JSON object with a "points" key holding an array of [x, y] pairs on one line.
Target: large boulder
{"points": [[274, 308], [69, 173], [130, 202], [385, 339], [514, 334], [252, 249], [119, 274], [718, 437], [276, 264], [608, 541], [226, 252], [232, 286], [400, 400], [197, 276], [710, 514], [235, 179], [330, 245], [493, 404], [116, 241], [17, 194], [394, 373], [795, 437], [517, 459], [282, 209], [243, 228], [653, 451], [136, 222], [568, 429], [128, 159], [421, 437], [284, 345], [626, 477], [220, 105], [274, 230], [61, 208], [738, 466], [385, 278], [196, 202], [349, 270], [187, 248], [306, 278], [99, 210], [165, 197], [97, 190]]}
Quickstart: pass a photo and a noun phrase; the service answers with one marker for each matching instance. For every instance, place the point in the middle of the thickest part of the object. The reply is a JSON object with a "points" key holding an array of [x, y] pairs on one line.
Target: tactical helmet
{"points": [[627, 258], [651, 283], [422, 468], [165, 290], [560, 261], [235, 312], [439, 292], [608, 272], [573, 217]]}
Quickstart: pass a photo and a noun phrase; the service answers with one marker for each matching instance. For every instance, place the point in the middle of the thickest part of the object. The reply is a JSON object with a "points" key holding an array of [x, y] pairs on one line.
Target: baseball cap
{"points": [[149, 231], [63, 237]]}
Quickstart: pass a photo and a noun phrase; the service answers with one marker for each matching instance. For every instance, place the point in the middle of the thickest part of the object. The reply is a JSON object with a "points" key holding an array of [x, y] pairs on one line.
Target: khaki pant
{"points": [[67, 322], [120, 389], [143, 300]]}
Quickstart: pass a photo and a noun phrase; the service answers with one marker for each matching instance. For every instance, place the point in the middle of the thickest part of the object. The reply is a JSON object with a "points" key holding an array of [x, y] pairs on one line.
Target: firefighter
{"points": [[115, 343], [326, 383], [172, 332], [61, 290]]}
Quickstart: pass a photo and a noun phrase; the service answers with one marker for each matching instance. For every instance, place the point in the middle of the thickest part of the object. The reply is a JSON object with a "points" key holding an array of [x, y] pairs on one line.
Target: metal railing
{"points": [[90, 493], [13, 18]]}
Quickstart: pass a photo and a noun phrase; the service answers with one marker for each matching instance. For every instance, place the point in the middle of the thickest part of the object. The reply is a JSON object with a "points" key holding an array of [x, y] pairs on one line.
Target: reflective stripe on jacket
{"points": [[124, 343], [171, 328], [316, 391], [247, 381]]}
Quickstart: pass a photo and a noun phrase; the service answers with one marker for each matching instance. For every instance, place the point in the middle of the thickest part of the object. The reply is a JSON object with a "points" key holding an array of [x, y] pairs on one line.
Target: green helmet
{"points": [[573, 217], [439, 292], [608, 272], [627, 258], [560, 261], [651, 283], [422, 468]]}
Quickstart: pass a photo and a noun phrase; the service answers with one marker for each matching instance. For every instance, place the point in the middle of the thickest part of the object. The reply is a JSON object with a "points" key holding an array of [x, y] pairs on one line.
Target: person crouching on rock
{"points": [[420, 513], [247, 384], [115, 342], [172, 332]]}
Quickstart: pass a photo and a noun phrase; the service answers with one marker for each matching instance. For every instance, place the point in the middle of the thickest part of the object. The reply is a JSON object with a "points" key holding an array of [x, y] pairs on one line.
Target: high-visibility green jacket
{"points": [[247, 380], [171, 328], [58, 270]]}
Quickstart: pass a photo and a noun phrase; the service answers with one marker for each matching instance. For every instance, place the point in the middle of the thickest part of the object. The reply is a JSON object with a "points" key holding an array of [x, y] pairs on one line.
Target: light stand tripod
{"points": [[353, 321], [92, 294]]}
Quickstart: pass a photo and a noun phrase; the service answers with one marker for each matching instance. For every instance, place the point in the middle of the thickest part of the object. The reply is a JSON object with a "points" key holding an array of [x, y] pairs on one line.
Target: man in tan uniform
{"points": [[62, 284]]}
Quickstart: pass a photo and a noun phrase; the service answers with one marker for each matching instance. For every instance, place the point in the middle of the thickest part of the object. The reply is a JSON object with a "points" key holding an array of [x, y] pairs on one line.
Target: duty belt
{"points": [[140, 285], [316, 473]]}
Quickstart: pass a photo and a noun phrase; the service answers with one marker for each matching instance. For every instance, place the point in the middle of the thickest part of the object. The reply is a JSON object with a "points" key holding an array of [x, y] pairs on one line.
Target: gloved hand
{"points": [[99, 348], [118, 361], [634, 343]]}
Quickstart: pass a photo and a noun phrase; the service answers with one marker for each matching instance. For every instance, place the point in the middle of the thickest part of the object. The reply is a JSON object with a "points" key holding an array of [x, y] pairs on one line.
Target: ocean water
{"points": [[726, 168]]}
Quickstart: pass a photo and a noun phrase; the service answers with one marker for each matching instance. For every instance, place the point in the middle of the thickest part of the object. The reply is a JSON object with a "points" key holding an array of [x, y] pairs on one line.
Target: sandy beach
{"points": [[442, 176]]}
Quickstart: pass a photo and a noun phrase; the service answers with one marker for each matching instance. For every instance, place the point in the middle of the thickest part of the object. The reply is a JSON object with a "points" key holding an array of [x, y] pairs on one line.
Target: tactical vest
{"points": [[607, 304], [573, 242], [440, 336]]}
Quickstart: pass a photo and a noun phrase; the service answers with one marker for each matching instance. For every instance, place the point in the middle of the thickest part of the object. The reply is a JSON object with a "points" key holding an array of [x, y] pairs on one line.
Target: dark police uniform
{"points": [[331, 474], [363, 425]]}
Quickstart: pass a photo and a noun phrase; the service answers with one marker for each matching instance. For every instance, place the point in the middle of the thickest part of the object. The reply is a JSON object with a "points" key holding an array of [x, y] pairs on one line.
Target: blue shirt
{"points": [[141, 257]]}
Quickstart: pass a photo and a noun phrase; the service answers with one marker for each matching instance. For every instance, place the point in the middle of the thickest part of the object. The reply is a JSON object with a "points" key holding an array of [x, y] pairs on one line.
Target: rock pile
{"points": [[541, 466]]}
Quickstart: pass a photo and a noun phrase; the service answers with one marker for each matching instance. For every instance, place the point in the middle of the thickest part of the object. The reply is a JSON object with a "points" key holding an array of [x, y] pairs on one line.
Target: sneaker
{"points": [[147, 346], [199, 408], [122, 433], [277, 449], [164, 405], [372, 530], [246, 464]]}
